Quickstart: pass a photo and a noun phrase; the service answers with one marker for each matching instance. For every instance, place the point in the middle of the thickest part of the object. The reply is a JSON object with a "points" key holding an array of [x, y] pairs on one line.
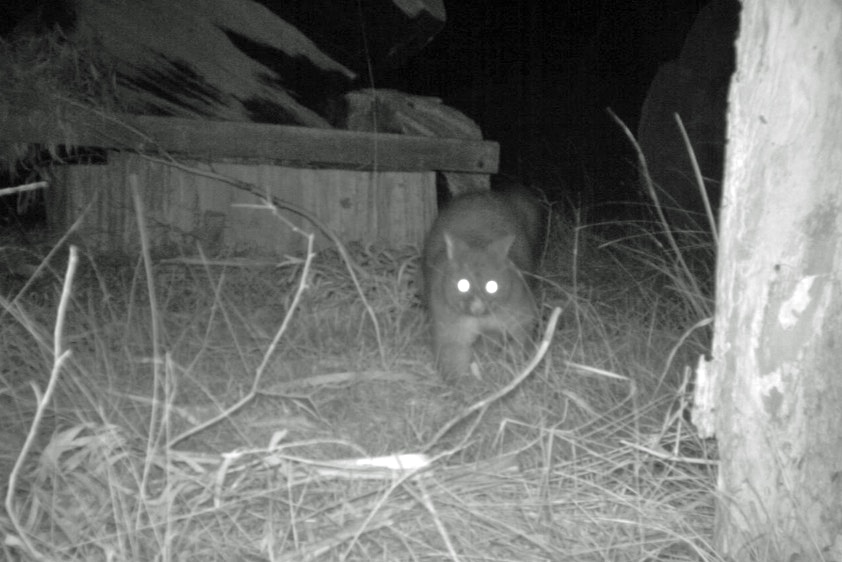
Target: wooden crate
{"points": [[185, 210]]}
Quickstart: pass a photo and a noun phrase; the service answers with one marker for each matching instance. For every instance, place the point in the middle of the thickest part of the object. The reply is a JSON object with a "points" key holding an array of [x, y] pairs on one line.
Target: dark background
{"points": [[538, 75]]}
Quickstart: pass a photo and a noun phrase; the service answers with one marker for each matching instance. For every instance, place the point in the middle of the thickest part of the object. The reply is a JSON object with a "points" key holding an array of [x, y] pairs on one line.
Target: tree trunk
{"points": [[775, 387]]}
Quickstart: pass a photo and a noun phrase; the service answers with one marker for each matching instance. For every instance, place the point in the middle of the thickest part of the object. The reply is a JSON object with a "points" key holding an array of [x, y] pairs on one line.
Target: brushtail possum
{"points": [[478, 264]]}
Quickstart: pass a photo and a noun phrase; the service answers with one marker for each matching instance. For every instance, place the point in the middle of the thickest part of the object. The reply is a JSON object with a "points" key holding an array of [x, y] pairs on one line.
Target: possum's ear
{"points": [[500, 247], [455, 246]]}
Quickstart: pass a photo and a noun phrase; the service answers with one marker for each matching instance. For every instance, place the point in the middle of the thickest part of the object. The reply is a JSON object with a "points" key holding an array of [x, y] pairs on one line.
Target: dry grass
{"points": [[589, 458], [47, 75]]}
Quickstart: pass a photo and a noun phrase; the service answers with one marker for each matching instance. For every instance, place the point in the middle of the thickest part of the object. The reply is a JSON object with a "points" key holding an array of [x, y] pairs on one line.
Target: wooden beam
{"points": [[226, 139]]}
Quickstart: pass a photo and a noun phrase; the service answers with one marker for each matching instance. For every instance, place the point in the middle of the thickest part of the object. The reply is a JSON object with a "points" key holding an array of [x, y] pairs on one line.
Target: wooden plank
{"points": [[183, 209], [275, 143]]}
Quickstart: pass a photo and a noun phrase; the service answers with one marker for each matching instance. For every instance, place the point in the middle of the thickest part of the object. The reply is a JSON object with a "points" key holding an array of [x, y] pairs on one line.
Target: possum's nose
{"points": [[477, 307]]}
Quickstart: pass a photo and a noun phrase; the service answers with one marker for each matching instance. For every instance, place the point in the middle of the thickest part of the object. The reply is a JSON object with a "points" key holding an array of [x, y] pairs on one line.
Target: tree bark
{"points": [[774, 388]]}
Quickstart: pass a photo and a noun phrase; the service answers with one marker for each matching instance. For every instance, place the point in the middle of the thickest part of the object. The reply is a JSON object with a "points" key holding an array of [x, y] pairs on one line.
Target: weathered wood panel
{"points": [[184, 209]]}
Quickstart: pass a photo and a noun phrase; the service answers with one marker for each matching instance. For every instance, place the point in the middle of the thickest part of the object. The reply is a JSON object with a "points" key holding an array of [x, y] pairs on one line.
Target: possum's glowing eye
{"points": [[491, 287], [463, 285]]}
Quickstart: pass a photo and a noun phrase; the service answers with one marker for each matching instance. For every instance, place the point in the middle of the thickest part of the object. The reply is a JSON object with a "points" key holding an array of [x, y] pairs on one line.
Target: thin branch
{"points": [[60, 356]]}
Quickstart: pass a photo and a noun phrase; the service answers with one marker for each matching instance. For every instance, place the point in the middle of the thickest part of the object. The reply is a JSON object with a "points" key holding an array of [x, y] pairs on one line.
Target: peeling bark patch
{"points": [[788, 321], [792, 309]]}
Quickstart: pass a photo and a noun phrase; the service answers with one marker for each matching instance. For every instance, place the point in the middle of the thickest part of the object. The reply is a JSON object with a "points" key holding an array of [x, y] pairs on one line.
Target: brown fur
{"points": [[481, 237]]}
